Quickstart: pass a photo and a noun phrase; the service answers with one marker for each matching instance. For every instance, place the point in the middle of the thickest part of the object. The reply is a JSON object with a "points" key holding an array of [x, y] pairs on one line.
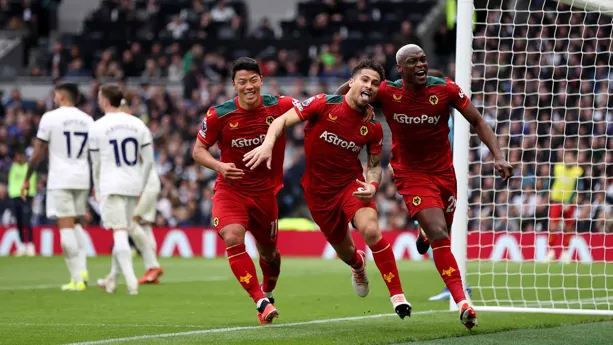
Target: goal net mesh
{"points": [[542, 78]]}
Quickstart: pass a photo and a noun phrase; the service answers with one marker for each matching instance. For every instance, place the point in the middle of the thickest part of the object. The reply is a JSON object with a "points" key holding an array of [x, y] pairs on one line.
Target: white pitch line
{"points": [[24, 324], [246, 328], [58, 285]]}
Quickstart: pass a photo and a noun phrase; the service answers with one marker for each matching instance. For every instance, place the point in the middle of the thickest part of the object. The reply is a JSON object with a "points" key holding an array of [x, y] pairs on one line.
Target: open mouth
{"points": [[250, 94], [421, 73], [365, 95]]}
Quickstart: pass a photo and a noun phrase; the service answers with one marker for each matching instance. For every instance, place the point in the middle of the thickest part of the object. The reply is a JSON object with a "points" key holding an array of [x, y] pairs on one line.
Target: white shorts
{"points": [[117, 211], [145, 208], [66, 202]]}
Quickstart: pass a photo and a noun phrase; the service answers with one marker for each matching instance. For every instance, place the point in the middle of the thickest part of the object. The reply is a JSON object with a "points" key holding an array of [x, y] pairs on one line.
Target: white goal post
{"points": [[540, 72]]}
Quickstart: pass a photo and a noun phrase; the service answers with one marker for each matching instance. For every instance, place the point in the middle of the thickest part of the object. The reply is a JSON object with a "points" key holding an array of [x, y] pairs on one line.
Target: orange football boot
{"points": [[151, 276], [268, 313]]}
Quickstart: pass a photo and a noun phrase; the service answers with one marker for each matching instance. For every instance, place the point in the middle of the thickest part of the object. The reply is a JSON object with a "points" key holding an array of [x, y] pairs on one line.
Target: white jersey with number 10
{"points": [[66, 130], [119, 138]]}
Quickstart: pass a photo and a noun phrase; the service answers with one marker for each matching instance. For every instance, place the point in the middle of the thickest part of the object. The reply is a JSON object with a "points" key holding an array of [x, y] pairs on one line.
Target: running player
{"points": [[117, 140], [64, 132], [141, 231], [335, 191], [246, 199], [417, 110]]}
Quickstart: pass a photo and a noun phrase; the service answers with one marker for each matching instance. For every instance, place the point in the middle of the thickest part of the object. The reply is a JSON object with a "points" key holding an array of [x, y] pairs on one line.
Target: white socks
{"points": [[123, 255], [70, 246], [82, 257], [149, 232], [143, 243]]}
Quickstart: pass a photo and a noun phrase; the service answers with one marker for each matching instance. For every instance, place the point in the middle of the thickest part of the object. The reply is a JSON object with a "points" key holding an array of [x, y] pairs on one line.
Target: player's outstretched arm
{"points": [[202, 156], [343, 89], [40, 147], [263, 153], [486, 134]]}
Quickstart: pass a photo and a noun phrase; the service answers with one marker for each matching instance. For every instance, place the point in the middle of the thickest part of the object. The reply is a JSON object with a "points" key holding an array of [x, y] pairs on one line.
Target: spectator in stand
{"points": [[264, 30], [221, 12]]}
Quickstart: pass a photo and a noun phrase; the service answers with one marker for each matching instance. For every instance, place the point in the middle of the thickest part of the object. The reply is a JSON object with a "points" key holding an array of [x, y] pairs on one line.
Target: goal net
{"points": [[541, 75]]}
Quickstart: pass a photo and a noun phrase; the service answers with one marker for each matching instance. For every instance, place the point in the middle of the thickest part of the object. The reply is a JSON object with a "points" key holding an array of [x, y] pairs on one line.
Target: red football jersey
{"points": [[238, 131], [418, 121], [334, 136]]}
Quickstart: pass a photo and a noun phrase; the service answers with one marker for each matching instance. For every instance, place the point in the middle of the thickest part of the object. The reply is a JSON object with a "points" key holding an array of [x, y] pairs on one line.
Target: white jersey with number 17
{"points": [[119, 138], [66, 130]]}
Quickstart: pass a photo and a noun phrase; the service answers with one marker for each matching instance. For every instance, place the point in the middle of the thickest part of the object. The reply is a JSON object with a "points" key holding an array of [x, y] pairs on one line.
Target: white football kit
{"points": [[117, 141], [66, 130], [146, 207]]}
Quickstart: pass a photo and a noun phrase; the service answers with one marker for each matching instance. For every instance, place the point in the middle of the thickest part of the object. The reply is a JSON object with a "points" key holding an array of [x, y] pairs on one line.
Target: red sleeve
{"points": [[286, 103], [376, 144], [209, 129], [310, 107], [382, 91], [457, 96]]}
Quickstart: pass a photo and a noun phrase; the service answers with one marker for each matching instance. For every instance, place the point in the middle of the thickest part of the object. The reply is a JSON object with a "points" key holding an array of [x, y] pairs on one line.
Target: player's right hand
{"points": [[230, 172], [370, 113], [258, 155]]}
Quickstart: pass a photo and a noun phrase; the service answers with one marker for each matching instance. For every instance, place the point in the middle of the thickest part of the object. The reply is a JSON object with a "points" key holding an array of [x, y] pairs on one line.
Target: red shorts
{"points": [[333, 214], [258, 214], [422, 190], [557, 213]]}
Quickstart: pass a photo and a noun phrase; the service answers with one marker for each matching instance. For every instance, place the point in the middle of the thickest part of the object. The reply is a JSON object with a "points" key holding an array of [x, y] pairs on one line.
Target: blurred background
{"points": [[543, 83]]}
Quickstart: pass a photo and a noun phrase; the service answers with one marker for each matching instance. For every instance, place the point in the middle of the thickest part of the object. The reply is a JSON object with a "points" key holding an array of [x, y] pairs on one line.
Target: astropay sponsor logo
{"points": [[335, 140], [417, 120], [247, 142]]}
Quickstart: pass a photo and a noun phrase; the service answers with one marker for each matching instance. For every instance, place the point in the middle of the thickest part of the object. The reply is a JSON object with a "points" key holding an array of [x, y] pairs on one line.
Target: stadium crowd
{"points": [[543, 95]]}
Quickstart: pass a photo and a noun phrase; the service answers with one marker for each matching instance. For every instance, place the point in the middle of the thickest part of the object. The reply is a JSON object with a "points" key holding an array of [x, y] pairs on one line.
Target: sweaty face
{"points": [[414, 68], [364, 86], [247, 85]]}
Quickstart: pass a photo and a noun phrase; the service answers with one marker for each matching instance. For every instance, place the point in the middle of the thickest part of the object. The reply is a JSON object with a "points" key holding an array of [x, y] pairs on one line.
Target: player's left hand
{"points": [[369, 113], [366, 192], [25, 189], [504, 168], [258, 155]]}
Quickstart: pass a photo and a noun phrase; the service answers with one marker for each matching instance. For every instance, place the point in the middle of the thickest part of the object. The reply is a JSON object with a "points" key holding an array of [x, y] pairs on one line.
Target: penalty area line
{"points": [[247, 328]]}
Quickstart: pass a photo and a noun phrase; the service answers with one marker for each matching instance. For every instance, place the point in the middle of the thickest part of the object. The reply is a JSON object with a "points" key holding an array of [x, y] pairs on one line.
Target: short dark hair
{"points": [[71, 90], [112, 93], [245, 64], [369, 64]]}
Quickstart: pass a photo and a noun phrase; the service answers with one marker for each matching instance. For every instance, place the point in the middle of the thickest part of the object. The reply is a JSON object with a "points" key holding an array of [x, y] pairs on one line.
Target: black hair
{"points": [[245, 64], [71, 90], [369, 64]]}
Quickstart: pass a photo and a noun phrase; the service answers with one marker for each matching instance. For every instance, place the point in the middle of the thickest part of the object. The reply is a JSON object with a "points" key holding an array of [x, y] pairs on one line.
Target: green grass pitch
{"points": [[199, 302]]}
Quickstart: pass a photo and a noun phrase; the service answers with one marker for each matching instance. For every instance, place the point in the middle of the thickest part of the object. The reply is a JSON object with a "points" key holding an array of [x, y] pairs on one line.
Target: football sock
{"points": [[71, 253], [80, 233], [270, 272], [144, 245], [123, 253], [566, 237], [386, 263], [552, 239], [448, 268], [356, 262], [149, 232], [244, 270]]}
